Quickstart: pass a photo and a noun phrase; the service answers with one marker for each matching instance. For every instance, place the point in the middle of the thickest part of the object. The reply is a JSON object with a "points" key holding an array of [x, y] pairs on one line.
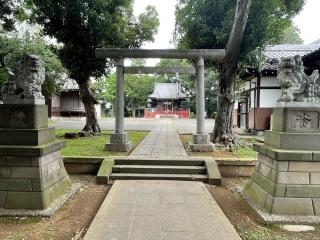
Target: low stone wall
{"points": [[227, 167], [82, 165], [236, 168]]}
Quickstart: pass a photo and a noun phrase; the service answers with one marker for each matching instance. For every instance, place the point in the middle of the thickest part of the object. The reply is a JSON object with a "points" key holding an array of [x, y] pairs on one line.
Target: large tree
{"points": [[82, 26], [241, 29]]}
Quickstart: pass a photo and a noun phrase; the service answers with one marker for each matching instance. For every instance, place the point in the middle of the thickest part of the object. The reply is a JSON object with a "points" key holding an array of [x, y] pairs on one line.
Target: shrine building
{"points": [[166, 101]]}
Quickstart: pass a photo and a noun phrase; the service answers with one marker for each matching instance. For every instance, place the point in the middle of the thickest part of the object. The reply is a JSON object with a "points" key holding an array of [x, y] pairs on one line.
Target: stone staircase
{"points": [[148, 168]]}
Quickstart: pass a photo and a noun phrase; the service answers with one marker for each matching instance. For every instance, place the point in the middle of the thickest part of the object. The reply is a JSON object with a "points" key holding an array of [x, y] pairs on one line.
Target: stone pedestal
{"points": [[32, 173], [119, 143], [201, 143], [286, 180]]}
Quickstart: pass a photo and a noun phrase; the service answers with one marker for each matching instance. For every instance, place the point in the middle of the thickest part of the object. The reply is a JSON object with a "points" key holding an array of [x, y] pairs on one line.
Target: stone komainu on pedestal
{"points": [[32, 172], [286, 180]]}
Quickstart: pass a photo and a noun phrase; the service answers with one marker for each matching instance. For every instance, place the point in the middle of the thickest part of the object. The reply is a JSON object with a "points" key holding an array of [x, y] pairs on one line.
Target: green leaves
{"points": [[291, 35], [137, 89], [82, 26], [207, 23], [14, 47]]}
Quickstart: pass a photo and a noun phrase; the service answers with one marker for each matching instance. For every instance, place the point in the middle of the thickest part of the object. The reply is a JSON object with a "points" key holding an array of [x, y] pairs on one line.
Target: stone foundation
{"points": [[201, 143], [201, 147], [32, 182], [286, 187], [119, 143], [286, 180], [119, 147], [32, 172]]}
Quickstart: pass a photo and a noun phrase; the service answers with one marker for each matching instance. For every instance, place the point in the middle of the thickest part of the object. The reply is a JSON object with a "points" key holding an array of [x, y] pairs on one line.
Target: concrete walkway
{"points": [[161, 141], [160, 210]]}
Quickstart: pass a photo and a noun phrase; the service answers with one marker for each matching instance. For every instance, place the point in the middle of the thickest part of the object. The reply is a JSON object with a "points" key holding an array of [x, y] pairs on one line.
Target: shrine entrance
{"points": [[119, 139]]}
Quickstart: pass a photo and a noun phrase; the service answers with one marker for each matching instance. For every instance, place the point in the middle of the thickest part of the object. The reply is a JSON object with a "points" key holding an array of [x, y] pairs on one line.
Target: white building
{"points": [[260, 91]]}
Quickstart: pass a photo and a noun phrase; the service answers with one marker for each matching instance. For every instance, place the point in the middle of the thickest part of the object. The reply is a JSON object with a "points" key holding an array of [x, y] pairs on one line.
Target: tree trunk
{"points": [[89, 101], [223, 131]]}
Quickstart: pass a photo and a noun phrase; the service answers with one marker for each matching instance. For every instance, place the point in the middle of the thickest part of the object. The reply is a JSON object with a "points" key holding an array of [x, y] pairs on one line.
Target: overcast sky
{"points": [[308, 21]]}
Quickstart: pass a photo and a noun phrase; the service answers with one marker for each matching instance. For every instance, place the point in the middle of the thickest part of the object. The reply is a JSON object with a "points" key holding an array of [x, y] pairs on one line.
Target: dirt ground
{"points": [[69, 222], [247, 223], [73, 219]]}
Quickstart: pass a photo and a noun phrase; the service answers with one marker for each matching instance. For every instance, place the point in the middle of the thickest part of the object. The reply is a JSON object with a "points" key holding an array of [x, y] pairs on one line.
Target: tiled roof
{"points": [[167, 91], [276, 52]]}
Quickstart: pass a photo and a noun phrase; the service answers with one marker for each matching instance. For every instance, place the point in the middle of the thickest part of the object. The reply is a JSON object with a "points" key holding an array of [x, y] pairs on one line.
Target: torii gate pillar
{"points": [[200, 140], [119, 139]]}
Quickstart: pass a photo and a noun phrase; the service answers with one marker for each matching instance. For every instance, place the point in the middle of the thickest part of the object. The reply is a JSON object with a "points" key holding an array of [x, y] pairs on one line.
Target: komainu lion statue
{"points": [[26, 82], [295, 84]]}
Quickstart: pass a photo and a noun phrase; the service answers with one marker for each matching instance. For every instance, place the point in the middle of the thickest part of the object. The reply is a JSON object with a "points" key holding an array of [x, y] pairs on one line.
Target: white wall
{"points": [[269, 82], [269, 97]]}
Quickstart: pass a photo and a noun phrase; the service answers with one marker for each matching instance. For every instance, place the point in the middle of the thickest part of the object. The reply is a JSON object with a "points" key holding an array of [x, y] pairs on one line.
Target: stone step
{"points": [[163, 162], [188, 169], [159, 169], [179, 177]]}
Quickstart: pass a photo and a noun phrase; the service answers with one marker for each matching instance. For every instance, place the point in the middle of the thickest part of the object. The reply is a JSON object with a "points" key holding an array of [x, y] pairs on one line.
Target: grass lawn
{"points": [[94, 146], [243, 152]]}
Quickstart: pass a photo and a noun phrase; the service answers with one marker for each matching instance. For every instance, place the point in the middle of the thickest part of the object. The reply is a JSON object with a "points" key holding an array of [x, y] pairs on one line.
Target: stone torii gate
{"points": [[119, 139]]}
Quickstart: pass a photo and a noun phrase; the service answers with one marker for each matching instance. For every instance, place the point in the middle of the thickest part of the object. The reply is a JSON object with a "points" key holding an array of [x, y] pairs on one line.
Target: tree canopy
{"points": [[82, 26], [291, 35], [137, 89], [207, 24]]}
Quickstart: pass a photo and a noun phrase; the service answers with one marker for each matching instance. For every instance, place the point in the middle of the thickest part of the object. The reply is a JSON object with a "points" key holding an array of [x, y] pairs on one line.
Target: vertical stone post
{"points": [[119, 139], [119, 126], [200, 140], [200, 98]]}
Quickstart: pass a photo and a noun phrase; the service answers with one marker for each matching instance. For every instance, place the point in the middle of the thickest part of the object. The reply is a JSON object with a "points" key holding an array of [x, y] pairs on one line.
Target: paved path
{"points": [[160, 210], [161, 141]]}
